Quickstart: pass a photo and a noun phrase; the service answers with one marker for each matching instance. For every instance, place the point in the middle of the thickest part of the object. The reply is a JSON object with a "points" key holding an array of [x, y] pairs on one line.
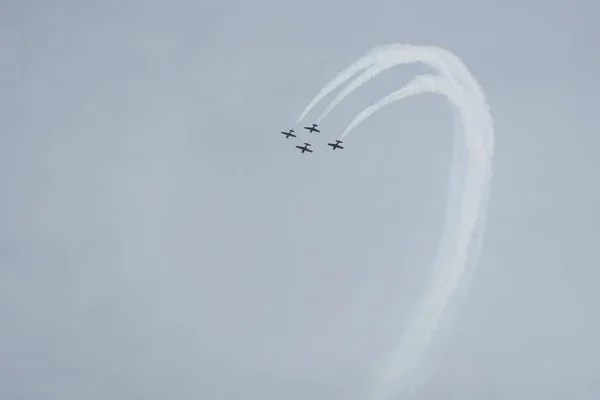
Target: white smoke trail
{"points": [[453, 254], [360, 64], [366, 76], [468, 191], [382, 58], [420, 84]]}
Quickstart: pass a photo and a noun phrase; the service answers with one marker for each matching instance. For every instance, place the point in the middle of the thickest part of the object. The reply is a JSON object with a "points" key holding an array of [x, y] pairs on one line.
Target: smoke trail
{"points": [[366, 76], [420, 84], [468, 191], [382, 58], [360, 64], [461, 243]]}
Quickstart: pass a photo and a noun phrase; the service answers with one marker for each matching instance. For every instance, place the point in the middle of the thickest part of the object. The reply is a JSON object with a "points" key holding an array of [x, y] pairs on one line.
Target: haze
{"points": [[160, 239]]}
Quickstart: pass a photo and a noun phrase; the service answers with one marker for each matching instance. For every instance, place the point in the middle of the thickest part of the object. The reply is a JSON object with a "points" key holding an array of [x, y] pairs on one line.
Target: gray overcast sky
{"points": [[159, 239]]}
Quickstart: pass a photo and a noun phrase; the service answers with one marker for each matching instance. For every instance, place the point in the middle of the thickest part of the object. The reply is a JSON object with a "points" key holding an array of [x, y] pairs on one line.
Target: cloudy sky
{"points": [[160, 240]]}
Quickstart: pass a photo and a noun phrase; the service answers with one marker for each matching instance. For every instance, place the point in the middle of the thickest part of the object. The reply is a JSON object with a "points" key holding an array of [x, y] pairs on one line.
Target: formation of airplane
{"points": [[335, 145], [306, 146], [312, 128], [288, 134]]}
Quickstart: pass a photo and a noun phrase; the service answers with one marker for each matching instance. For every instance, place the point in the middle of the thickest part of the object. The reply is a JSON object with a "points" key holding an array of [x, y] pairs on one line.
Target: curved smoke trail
{"points": [[468, 190], [360, 64], [459, 246], [382, 58], [420, 84]]}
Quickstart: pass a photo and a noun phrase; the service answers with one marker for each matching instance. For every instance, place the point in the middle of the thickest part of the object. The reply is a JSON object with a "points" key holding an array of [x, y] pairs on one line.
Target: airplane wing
{"points": [[309, 150]]}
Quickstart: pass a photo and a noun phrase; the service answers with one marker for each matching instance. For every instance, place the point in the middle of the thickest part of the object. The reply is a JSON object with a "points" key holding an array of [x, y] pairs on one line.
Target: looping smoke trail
{"points": [[406, 355], [468, 191], [444, 62], [366, 76], [384, 57], [420, 84]]}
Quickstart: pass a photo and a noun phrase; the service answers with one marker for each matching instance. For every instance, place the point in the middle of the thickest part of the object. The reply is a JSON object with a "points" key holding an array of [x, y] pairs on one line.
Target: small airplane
{"points": [[304, 148], [312, 128], [336, 145], [288, 134]]}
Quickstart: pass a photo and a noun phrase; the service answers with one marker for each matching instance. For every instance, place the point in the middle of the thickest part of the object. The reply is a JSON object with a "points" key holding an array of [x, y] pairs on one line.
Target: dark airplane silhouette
{"points": [[312, 129], [304, 148], [336, 145], [288, 134]]}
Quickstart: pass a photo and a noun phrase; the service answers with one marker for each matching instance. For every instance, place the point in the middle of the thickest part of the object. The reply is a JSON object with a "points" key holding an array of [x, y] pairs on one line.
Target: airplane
{"points": [[312, 128], [288, 134], [304, 148], [336, 145]]}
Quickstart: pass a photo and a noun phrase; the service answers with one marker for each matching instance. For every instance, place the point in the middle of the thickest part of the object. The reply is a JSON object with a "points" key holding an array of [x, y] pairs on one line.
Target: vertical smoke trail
{"points": [[468, 191], [458, 247]]}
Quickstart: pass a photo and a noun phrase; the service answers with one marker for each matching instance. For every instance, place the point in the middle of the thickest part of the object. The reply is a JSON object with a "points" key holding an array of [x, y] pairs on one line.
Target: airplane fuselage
{"points": [[312, 128], [288, 134], [304, 148], [335, 145]]}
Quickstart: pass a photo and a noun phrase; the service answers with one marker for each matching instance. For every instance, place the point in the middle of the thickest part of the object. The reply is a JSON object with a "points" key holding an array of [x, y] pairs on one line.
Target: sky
{"points": [[160, 239]]}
